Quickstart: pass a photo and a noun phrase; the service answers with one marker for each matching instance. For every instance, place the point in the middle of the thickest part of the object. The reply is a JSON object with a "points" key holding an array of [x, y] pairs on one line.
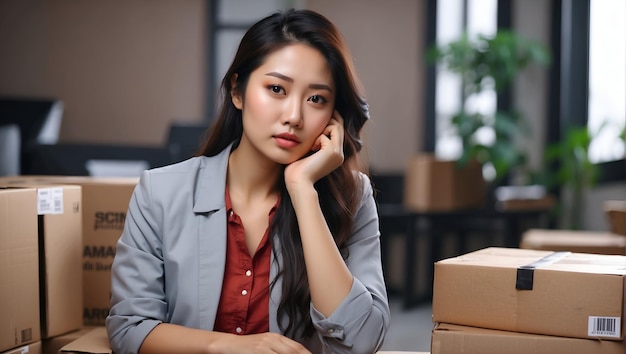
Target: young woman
{"points": [[267, 242]]}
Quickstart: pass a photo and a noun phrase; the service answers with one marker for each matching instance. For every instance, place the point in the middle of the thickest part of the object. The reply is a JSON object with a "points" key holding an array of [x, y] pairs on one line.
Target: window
{"points": [[455, 17], [607, 79], [230, 19]]}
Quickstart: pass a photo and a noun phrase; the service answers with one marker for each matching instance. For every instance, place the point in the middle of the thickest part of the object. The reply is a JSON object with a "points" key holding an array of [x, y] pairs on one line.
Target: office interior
{"points": [[136, 81]]}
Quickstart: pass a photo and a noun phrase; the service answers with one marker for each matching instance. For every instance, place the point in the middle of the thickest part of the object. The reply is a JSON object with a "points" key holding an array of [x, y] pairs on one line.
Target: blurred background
{"points": [[83, 83]]}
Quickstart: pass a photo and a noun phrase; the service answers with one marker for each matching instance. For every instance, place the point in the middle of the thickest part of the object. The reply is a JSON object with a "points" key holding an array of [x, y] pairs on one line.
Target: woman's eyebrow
{"points": [[287, 78]]}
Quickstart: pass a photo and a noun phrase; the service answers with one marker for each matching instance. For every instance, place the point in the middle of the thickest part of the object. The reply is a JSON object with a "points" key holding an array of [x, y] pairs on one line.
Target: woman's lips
{"points": [[286, 140]]}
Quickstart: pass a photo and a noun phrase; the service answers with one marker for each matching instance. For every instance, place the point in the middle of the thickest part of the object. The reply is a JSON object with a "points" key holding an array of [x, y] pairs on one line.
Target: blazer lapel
{"points": [[209, 207]]}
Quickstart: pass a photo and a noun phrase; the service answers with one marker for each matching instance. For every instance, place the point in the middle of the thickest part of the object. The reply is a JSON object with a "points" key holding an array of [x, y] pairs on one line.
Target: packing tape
{"points": [[525, 273]]}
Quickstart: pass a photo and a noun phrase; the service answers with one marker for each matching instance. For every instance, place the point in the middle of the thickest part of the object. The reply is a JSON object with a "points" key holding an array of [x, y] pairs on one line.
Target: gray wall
{"points": [[124, 69]]}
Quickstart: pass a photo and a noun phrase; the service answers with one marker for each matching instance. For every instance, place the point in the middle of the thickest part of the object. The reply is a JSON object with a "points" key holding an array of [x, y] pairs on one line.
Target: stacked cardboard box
{"points": [[615, 211], [104, 205], [598, 242], [33, 348], [19, 269], [560, 300], [454, 339], [55, 216]]}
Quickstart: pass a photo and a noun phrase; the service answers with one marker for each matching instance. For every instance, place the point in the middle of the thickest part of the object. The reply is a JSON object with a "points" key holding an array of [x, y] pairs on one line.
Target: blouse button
{"points": [[248, 273], [238, 330], [244, 292]]}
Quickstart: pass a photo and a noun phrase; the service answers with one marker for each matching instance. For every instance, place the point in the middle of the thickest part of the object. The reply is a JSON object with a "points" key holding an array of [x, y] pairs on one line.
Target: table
{"points": [[396, 219]]}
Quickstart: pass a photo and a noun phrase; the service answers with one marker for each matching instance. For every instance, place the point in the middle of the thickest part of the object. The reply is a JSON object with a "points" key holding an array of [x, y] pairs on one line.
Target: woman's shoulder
{"points": [[194, 165], [190, 164], [363, 181], [189, 172]]}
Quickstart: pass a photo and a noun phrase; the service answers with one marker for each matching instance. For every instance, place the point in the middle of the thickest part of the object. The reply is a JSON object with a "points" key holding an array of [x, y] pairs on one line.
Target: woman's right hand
{"points": [[258, 343], [168, 338]]}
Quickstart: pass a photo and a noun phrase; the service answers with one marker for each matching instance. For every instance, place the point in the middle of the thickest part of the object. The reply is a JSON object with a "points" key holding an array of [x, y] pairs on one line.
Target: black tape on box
{"points": [[525, 273]]}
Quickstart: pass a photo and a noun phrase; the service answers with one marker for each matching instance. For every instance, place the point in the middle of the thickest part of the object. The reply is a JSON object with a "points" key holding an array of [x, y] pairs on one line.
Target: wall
{"points": [[386, 41], [124, 69]]}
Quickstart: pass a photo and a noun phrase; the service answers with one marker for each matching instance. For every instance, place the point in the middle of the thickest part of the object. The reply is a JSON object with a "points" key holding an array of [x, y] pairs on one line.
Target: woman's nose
{"points": [[293, 113]]}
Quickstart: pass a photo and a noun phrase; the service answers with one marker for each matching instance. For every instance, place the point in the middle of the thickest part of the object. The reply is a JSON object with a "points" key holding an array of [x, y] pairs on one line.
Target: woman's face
{"points": [[288, 102]]}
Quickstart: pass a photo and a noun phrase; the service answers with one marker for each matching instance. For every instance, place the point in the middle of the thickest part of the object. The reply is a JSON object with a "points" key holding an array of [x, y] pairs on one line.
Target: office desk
{"points": [[396, 219]]}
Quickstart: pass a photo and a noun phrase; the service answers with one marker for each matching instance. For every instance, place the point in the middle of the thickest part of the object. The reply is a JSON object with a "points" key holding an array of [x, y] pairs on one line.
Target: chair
{"points": [[38, 121], [183, 140]]}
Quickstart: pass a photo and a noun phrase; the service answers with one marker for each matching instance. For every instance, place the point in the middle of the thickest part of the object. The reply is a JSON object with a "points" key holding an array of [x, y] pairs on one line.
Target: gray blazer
{"points": [[169, 264]]}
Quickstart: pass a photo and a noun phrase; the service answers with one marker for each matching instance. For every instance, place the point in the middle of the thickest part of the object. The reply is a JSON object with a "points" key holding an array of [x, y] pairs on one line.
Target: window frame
{"points": [[569, 91], [568, 76]]}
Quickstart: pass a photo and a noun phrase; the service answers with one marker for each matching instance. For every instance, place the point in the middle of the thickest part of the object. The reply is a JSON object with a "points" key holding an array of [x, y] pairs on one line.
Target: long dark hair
{"points": [[339, 191]]}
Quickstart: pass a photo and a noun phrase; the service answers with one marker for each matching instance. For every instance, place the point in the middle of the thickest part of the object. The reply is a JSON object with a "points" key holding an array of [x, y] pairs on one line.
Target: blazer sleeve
{"points": [[137, 275], [361, 321]]}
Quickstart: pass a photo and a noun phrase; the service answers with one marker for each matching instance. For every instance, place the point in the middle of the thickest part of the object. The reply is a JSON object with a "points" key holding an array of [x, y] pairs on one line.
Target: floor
{"points": [[410, 329]]}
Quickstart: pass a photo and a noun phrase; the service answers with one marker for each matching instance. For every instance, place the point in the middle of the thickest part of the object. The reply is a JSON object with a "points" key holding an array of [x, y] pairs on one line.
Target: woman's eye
{"points": [[317, 99], [276, 89]]}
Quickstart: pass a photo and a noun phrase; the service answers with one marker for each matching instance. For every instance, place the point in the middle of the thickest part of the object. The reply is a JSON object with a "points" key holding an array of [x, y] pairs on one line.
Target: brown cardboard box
{"points": [[435, 185], [19, 268], [543, 292], [105, 202], [95, 341], [616, 213], [599, 242], [60, 248], [54, 344], [33, 348], [454, 339]]}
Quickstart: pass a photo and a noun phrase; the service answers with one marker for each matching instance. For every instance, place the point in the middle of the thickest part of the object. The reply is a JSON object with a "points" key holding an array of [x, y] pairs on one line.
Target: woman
{"points": [[268, 241]]}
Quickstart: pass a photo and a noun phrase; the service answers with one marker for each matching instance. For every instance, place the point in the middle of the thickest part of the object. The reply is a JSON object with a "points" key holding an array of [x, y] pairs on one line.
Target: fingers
{"points": [[293, 346], [332, 134], [284, 345]]}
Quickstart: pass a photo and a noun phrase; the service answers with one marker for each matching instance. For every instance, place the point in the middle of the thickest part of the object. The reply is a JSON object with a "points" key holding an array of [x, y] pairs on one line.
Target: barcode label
{"points": [[49, 201], [604, 327], [27, 335]]}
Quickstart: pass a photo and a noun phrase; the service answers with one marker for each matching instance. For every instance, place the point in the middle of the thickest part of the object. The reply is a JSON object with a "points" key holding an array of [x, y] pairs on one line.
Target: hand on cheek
{"points": [[327, 155]]}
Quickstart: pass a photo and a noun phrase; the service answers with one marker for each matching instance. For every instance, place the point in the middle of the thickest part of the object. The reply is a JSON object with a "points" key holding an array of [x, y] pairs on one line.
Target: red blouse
{"points": [[244, 302]]}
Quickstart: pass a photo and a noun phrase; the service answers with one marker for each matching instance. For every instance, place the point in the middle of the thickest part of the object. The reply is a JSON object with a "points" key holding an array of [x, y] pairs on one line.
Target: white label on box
{"points": [[22, 350], [604, 327], [49, 201]]}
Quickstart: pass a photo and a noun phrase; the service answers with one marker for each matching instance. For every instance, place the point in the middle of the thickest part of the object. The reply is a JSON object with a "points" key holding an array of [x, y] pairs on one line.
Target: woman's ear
{"points": [[235, 94]]}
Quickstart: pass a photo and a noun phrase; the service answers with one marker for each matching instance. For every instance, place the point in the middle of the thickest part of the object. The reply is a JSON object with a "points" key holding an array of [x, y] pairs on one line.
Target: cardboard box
{"points": [[95, 341], [616, 213], [105, 203], [454, 339], [60, 251], [34, 348], [435, 185], [19, 268], [598, 242], [543, 292], [54, 344]]}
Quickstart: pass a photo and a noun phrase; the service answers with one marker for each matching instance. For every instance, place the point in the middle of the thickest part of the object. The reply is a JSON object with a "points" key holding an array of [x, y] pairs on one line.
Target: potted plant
{"points": [[568, 167], [485, 63]]}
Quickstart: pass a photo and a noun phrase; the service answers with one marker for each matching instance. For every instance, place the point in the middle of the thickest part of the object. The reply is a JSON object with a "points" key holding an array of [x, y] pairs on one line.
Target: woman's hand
{"points": [[326, 156], [259, 343]]}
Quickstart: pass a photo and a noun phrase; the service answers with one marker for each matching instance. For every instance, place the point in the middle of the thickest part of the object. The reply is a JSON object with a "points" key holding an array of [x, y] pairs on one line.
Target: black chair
{"points": [[184, 139], [38, 120]]}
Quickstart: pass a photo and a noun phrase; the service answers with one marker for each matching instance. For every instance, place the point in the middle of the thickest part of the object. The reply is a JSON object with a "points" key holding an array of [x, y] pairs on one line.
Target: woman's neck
{"points": [[252, 176]]}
